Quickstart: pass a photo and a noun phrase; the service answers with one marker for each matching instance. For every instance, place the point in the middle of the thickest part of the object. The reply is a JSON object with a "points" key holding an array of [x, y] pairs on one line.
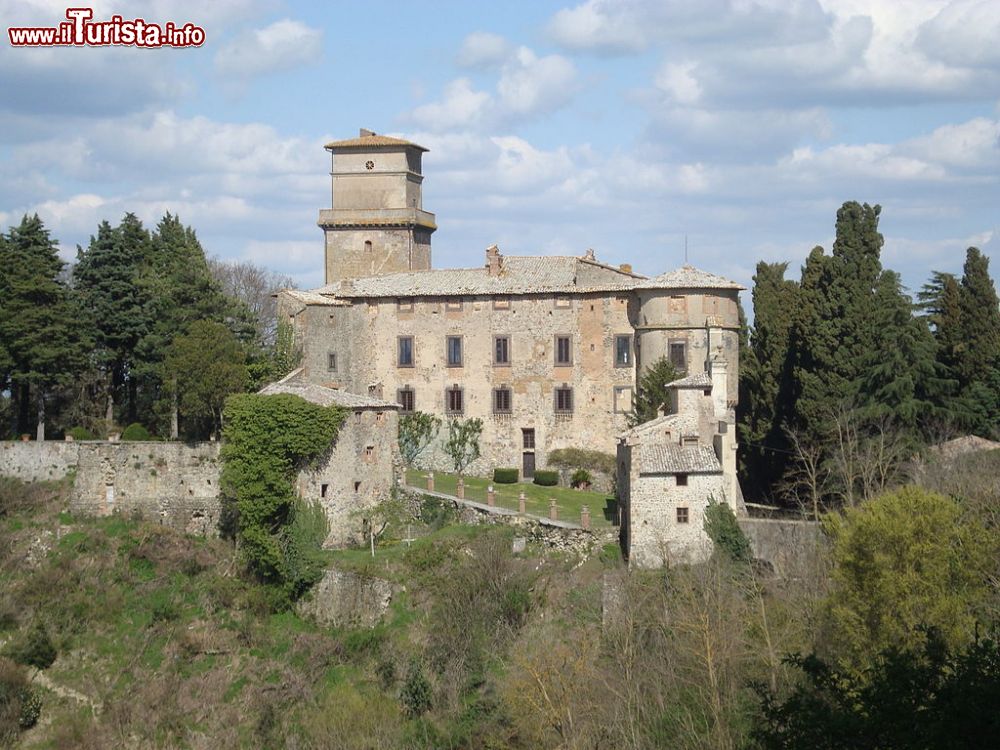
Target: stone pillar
{"points": [[585, 517], [460, 489], [520, 503], [430, 482], [491, 496], [553, 509]]}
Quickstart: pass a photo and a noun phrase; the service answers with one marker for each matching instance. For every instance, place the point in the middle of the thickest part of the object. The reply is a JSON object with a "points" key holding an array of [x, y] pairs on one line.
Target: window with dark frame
{"points": [[453, 346], [501, 400], [322, 489], [564, 350], [331, 362], [682, 515], [678, 354], [564, 400], [623, 351], [501, 350], [453, 401], [404, 351], [682, 480], [528, 439], [405, 398]]}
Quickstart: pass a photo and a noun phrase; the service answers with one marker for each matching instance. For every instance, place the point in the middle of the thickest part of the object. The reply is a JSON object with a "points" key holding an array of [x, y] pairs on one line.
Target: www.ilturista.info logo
{"points": [[81, 31]]}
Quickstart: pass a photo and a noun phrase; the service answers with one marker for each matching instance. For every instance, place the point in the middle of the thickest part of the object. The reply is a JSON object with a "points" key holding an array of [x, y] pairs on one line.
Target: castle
{"points": [[546, 351]]}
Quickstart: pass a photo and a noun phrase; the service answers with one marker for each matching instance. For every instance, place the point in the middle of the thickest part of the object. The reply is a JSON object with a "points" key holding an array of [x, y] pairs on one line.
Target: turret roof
{"points": [[688, 277]]}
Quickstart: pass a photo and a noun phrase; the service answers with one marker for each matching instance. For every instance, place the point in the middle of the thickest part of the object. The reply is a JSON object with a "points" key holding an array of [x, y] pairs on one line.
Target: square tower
{"points": [[376, 224]]}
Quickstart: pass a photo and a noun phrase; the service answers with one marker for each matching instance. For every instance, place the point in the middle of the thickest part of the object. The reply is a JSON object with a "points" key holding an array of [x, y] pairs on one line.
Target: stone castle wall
{"points": [[38, 462]]}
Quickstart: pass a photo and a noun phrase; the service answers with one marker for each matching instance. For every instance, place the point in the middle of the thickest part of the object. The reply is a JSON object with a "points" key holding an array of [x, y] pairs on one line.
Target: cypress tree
{"points": [[39, 324], [980, 321]]}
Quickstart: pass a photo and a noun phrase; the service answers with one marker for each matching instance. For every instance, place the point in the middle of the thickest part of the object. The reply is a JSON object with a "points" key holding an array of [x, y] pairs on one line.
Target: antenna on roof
{"points": [[685, 249]]}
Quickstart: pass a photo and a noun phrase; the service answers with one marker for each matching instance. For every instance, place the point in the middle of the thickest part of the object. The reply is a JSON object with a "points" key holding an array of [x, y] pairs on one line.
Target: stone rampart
{"points": [[38, 462], [791, 547]]}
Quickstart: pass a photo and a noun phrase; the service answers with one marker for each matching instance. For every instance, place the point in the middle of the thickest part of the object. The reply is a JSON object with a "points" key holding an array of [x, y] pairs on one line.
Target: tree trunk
{"points": [[109, 412], [23, 409], [133, 395], [40, 434], [174, 420]]}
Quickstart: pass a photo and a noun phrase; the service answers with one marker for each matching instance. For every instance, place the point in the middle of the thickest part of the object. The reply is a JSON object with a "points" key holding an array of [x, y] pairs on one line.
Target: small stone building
{"points": [[360, 470], [672, 467]]}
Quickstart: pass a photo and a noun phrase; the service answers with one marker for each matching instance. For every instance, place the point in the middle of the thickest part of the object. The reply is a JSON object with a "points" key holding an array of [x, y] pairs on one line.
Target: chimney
{"points": [[366, 133], [718, 370], [494, 260], [589, 255], [625, 268]]}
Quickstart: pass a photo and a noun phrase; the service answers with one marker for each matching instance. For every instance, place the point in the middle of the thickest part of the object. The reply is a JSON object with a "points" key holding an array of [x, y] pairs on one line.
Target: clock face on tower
{"points": [[369, 165]]}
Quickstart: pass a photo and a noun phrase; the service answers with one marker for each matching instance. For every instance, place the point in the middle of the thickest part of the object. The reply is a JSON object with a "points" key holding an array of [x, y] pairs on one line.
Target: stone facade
{"points": [[671, 468], [545, 350]]}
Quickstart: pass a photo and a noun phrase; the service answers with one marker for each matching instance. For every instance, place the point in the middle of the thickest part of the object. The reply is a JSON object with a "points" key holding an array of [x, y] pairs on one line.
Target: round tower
{"points": [[690, 317]]}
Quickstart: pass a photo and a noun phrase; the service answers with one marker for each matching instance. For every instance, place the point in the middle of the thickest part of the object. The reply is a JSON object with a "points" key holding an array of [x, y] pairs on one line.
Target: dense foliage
{"points": [[839, 370], [506, 475], [268, 439], [546, 477], [89, 346], [651, 394]]}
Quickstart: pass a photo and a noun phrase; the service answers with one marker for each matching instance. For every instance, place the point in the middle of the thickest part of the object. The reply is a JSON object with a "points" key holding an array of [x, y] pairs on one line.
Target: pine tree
{"points": [[652, 394], [39, 324], [980, 321]]}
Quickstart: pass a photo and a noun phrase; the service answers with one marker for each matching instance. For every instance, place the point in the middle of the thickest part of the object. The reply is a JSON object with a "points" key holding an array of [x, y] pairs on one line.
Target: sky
{"points": [[734, 127]]}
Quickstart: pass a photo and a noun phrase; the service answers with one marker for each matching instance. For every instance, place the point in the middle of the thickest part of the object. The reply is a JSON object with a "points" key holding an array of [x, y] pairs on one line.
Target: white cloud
{"points": [[678, 81], [283, 45], [483, 50], [963, 33], [527, 86]]}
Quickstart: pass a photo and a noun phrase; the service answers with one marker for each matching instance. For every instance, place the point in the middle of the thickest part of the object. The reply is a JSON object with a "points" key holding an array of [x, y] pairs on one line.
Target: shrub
{"points": [[81, 433], [546, 478], [574, 458], [136, 431], [35, 649], [437, 513], [415, 695], [505, 476], [580, 477], [725, 532], [20, 706]]}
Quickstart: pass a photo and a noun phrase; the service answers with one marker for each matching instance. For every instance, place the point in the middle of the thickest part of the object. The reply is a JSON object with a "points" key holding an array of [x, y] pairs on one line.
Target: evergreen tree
{"points": [[43, 342], [652, 393], [980, 321], [107, 280], [765, 379]]}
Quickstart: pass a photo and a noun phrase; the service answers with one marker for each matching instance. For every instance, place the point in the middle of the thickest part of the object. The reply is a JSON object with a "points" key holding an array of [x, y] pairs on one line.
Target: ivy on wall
{"points": [[267, 440]]}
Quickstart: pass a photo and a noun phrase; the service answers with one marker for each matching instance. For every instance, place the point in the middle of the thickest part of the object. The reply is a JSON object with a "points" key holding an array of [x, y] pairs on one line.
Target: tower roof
{"points": [[368, 139], [688, 277]]}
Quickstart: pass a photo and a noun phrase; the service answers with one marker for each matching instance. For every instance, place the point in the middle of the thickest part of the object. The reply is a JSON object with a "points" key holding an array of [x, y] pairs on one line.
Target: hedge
{"points": [[576, 458], [136, 431], [505, 476], [546, 478]]}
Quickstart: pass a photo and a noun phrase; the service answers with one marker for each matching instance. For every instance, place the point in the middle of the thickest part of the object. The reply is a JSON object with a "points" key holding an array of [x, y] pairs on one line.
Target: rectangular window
{"points": [[404, 305], [454, 351], [564, 400], [501, 400], [501, 350], [528, 439], [453, 402], [404, 397], [623, 351], [682, 480], [682, 515], [405, 351], [369, 451], [563, 302], [453, 304], [331, 362], [564, 350], [677, 304], [623, 399], [678, 354], [322, 489], [501, 303], [357, 417]]}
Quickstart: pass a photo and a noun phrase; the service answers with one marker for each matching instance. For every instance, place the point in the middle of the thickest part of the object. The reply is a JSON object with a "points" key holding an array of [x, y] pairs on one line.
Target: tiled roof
{"points": [[519, 275], [311, 298], [676, 459], [700, 380], [688, 277], [318, 394], [372, 141]]}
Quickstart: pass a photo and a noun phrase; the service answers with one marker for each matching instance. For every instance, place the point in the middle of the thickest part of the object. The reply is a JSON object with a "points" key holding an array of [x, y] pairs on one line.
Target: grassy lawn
{"points": [[568, 501]]}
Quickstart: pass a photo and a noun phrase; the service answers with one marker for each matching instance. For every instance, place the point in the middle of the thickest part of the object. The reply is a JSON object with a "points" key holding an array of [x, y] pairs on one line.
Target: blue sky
{"points": [[554, 127]]}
